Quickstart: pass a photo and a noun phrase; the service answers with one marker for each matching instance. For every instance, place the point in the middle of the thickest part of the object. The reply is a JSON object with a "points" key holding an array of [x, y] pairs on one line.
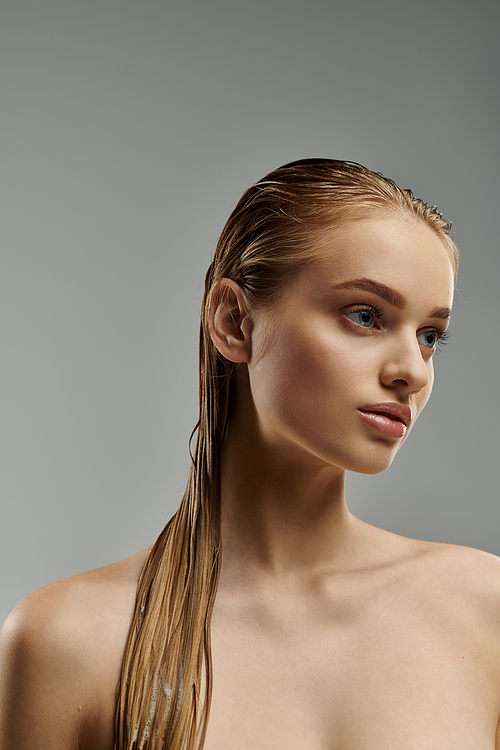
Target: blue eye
{"points": [[428, 339], [363, 318]]}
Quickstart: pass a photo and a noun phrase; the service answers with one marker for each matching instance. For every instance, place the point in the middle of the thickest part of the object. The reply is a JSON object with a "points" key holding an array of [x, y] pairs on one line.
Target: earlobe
{"points": [[229, 321]]}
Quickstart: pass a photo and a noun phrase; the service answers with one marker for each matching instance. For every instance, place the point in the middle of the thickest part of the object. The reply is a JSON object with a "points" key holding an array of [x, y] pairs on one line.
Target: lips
{"points": [[392, 410], [390, 418]]}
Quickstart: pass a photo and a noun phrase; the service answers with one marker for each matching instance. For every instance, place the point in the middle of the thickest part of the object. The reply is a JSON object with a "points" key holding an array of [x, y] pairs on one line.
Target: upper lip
{"points": [[391, 409]]}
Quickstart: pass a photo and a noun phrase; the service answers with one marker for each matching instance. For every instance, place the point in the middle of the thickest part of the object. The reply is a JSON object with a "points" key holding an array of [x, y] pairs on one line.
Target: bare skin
{"points": [[61, 651], [327, 633]]}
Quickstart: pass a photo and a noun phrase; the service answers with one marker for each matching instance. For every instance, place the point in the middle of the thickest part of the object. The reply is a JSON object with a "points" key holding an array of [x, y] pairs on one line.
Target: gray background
{"points": [[128, 130]]}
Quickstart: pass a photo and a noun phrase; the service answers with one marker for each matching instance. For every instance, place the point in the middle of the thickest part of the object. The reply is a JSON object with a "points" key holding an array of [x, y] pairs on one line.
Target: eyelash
{"points": [[443, 335], [369, 308]]}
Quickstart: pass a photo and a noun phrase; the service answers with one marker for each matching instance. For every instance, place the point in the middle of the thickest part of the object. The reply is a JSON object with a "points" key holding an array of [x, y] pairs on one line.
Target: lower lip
{"points": [[381, 422]]}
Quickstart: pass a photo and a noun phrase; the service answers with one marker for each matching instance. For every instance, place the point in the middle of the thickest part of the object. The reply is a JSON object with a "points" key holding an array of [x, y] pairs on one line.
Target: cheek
{"points": [[421, 398], [304, 370]]}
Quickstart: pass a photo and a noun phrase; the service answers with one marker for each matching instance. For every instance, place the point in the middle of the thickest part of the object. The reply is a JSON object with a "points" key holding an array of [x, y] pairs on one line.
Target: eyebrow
{"points": [[394, 298], [381, 290], [441, 312]]}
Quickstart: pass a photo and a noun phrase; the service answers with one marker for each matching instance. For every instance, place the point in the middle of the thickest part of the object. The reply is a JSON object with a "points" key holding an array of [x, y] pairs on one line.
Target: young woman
{"points": [[266, 616]]}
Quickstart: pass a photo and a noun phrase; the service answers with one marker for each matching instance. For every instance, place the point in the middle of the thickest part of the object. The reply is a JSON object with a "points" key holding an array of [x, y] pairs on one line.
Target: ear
{"points": [[229, 322]]}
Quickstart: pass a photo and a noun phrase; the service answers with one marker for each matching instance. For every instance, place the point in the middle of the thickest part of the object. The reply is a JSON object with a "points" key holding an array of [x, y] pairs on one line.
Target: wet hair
{"points": [[272, 233]]}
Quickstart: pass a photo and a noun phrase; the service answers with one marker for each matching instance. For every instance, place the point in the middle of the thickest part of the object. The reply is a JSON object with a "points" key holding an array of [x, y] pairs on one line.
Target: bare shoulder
{"points": [[455, 580], [474, 572], [60, 658], [466, 582]]}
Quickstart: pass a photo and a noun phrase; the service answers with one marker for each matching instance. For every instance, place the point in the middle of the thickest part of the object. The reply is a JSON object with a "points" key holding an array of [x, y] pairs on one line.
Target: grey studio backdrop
{"points": [[128, 130]]}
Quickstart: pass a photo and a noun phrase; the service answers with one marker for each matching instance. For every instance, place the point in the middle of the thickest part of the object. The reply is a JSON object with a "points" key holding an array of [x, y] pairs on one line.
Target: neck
{"points": [[282, 515]]}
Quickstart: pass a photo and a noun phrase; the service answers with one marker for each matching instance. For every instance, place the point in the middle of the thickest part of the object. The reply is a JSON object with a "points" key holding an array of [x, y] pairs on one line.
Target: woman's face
{"points": [[337, 367]]}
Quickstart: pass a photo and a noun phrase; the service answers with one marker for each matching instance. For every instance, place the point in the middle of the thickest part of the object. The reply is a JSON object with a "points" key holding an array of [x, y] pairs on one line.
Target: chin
{"points": [[377, 465], [372, 470]]}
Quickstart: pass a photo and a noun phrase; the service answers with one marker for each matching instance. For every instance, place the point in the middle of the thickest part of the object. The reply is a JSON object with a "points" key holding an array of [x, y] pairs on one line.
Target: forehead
{"points": [[403, 254]]}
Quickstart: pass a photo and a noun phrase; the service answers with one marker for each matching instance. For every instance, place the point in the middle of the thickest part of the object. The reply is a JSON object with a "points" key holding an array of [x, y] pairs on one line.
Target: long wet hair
{"points": [[268, 238]]}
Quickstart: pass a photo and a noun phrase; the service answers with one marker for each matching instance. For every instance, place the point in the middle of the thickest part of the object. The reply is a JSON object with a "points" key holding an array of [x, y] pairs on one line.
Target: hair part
{"points": [[268, 237]]}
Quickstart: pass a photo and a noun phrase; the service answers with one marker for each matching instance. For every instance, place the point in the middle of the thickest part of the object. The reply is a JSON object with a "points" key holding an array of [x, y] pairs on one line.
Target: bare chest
{"points": [[387, 676]]}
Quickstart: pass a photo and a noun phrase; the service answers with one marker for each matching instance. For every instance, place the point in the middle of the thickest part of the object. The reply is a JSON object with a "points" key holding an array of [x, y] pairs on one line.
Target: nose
{"points": [[405, 366]]}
